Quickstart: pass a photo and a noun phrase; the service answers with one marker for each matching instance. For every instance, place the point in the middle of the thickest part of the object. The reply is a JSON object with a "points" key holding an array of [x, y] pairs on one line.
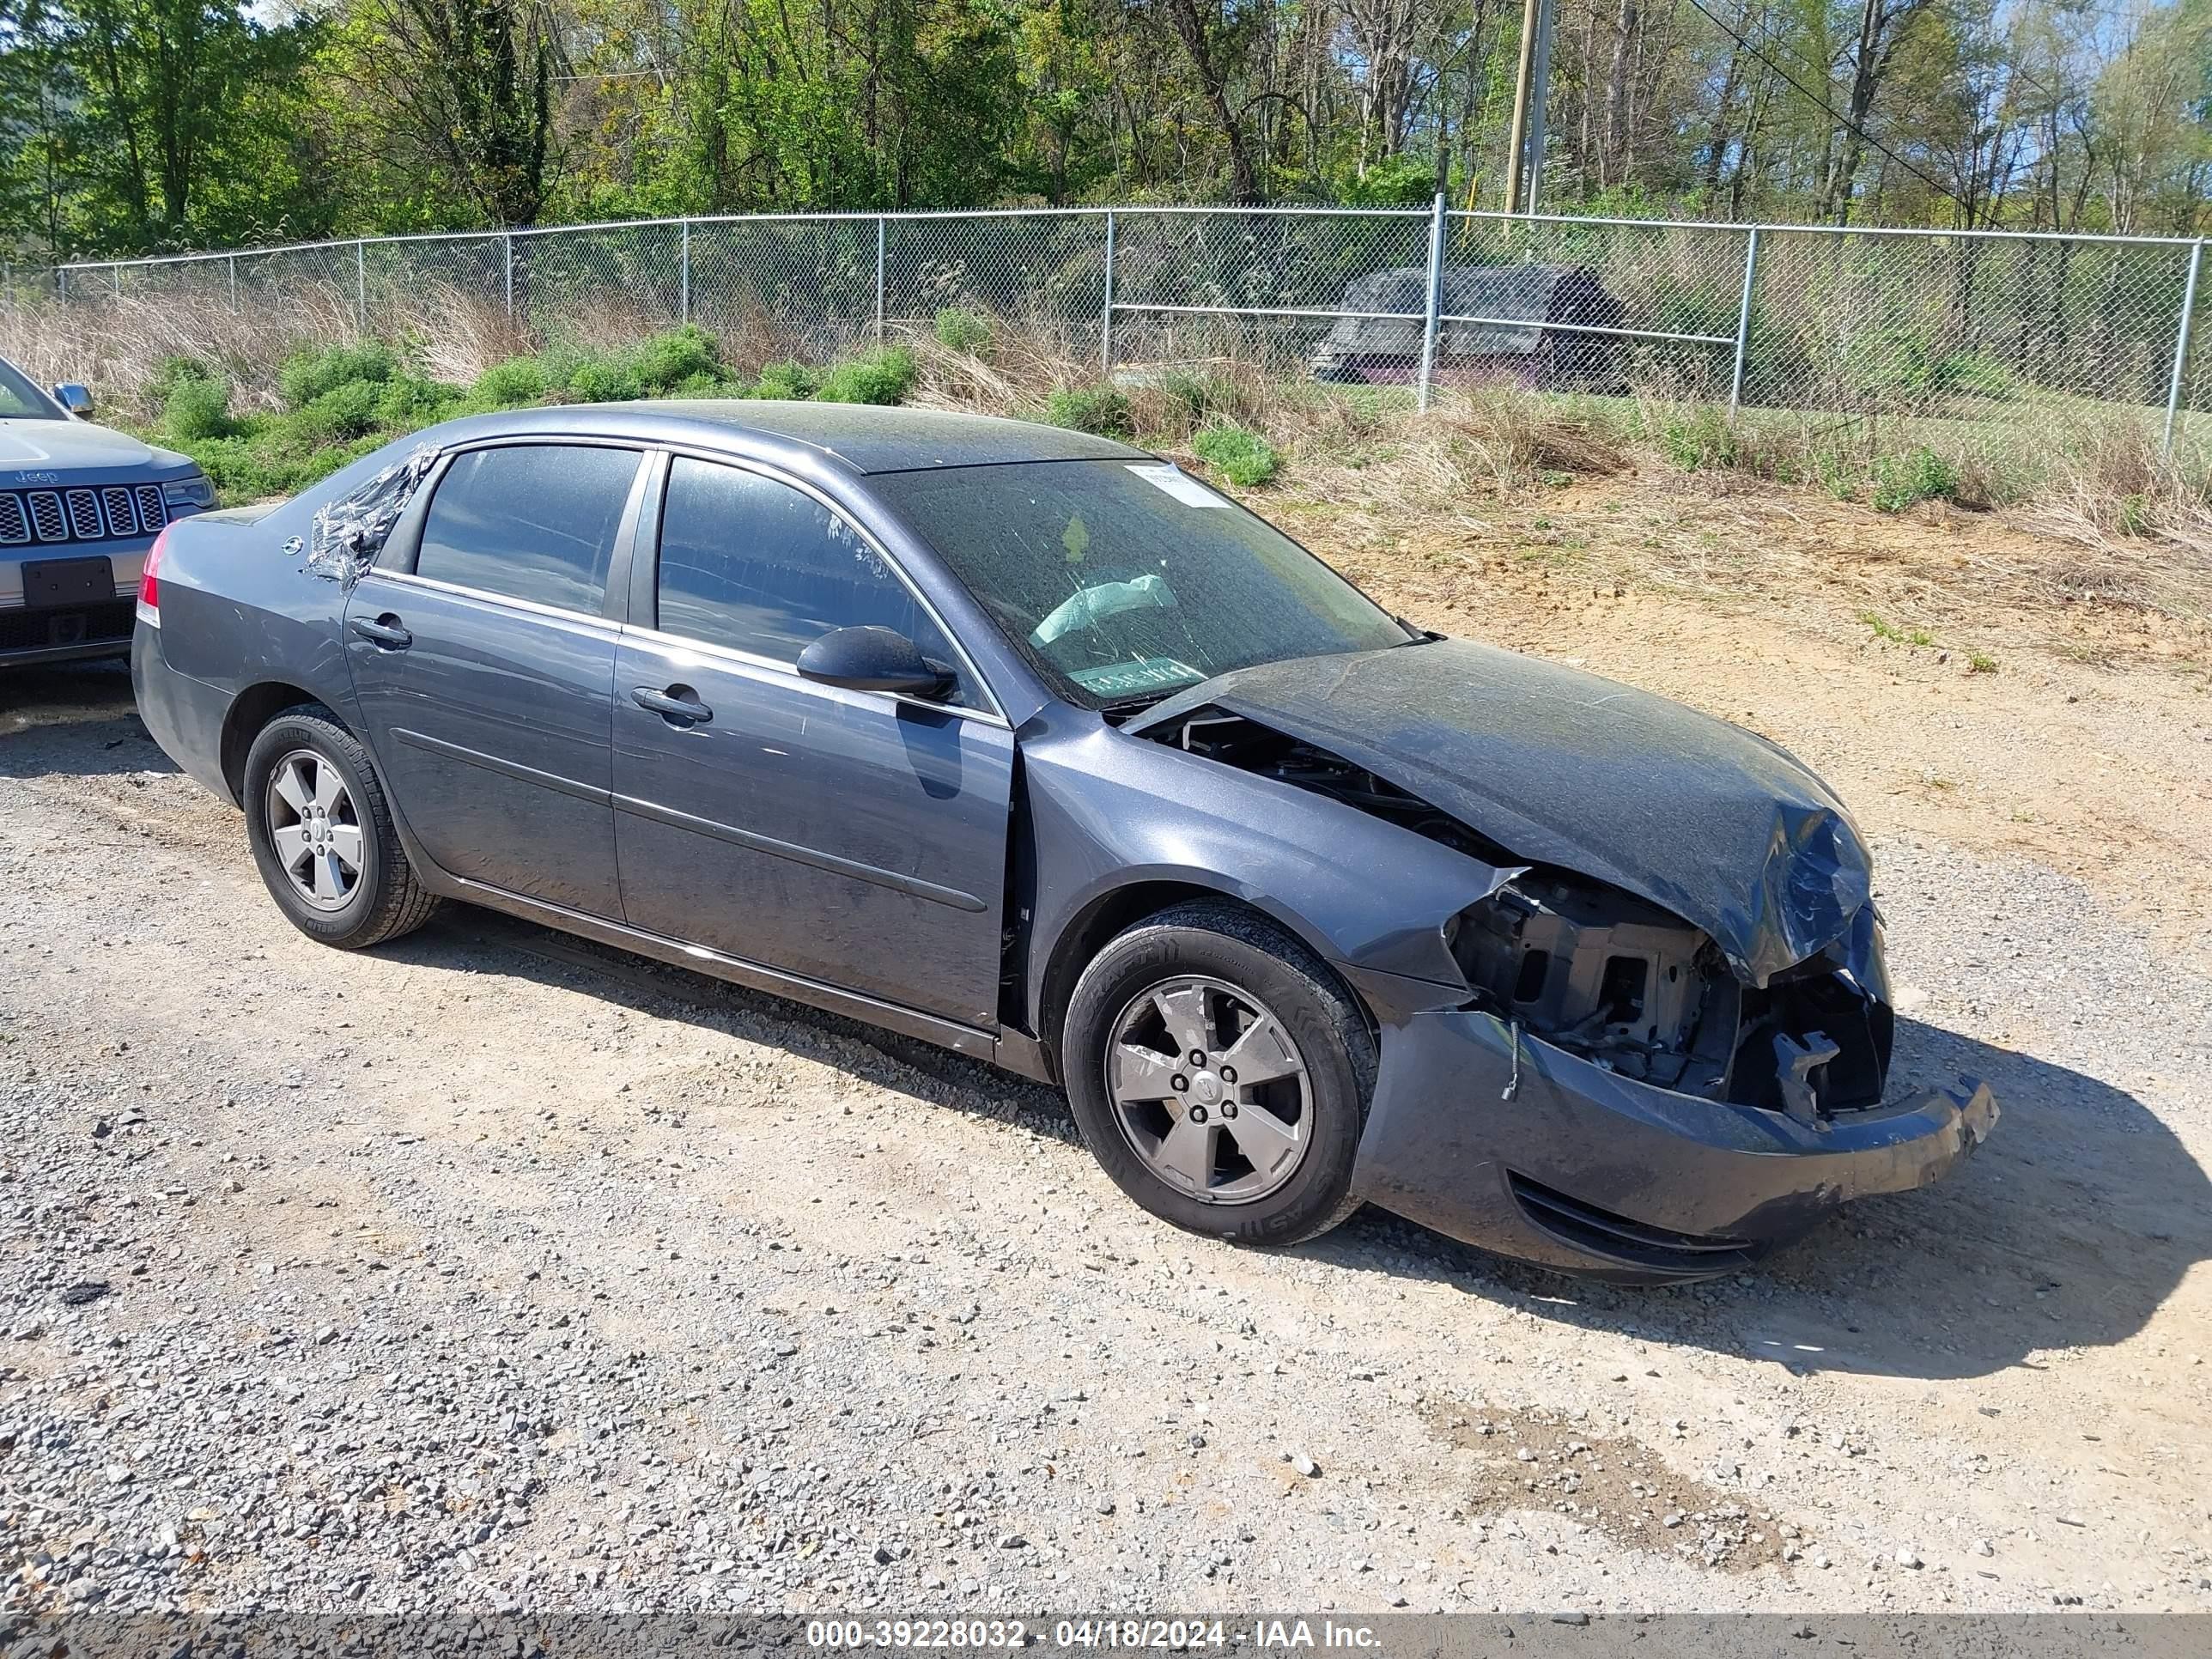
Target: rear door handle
{"points": [[676, 705], [385, 632]]}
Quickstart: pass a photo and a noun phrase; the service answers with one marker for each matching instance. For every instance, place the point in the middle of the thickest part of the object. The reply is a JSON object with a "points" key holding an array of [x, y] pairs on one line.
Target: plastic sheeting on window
{"points": [[349, 533]]}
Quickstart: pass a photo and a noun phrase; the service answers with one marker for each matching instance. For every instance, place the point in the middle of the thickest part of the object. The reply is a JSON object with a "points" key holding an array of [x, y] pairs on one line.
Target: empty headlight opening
{"points": [[1622, 983]]}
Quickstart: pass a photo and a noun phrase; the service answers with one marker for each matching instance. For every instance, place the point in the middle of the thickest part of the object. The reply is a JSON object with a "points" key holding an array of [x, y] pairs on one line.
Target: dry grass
{"points": [[117, 346], [2108, 521]]}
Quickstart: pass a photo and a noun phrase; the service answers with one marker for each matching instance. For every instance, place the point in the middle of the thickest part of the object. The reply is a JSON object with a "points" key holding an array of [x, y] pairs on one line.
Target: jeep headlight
{"points": [[195, 491]]}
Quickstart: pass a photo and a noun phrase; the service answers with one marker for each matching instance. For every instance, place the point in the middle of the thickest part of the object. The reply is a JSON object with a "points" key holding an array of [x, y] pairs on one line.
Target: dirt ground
{"points": [[901, 1276]]}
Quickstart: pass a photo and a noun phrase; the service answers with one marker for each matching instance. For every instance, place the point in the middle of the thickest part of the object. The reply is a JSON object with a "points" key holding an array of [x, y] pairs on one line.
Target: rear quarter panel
{"points": [[239, 606]]}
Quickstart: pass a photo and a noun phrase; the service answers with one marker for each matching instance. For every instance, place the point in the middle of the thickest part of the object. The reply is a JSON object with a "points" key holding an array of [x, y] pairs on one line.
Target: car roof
{"points": [[865, 438]]}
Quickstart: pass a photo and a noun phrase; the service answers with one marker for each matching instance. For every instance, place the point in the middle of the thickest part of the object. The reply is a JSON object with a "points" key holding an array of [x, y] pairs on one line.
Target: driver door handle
{"points": [[385, 633], [672, 706]]}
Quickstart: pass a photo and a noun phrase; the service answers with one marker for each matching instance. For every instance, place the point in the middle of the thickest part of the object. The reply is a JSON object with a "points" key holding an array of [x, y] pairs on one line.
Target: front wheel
{"points": [[1220, 1074], [323, 836]]}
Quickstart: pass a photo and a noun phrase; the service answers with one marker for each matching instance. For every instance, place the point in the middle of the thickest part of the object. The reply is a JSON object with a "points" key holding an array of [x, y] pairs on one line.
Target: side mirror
{"points": [[76, 399], [873, 660]]}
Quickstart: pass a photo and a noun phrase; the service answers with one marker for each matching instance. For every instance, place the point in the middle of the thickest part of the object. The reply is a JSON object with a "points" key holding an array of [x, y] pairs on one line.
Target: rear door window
{"points": [[756, 565], [529, 521]]}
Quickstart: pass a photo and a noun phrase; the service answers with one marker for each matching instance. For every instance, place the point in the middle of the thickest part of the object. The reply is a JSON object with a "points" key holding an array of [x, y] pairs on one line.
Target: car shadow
{"points": [[2068, 1229], [73, 719]]}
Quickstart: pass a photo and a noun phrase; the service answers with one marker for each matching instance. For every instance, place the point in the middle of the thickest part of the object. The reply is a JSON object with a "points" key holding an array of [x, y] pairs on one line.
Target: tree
{"points": [[470, 84]]}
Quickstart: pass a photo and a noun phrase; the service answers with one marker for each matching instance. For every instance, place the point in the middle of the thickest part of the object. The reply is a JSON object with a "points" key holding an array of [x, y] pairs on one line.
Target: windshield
{"points": [[20, 400], [1124, 580]]}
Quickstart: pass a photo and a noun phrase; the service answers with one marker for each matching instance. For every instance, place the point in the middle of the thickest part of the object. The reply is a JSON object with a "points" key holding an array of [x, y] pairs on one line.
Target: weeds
{"points": [[1919, 475], [880, 377], [1241, 456], [959, 329], [1101, 410], [1894, 635]]}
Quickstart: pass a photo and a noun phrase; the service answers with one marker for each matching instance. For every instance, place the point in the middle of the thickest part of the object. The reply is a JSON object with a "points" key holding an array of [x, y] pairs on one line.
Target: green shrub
{"points": [[1919, 475], [408, 402], [197, 409], [960, 329], [346, 411], [681, 353], [510, 384], [786, 380], [607, 380], [307, 375], [1100, 409], [880, 377], [1695, 442], [1201, 397], [1240, 455], [173, 371], [705, 384]]}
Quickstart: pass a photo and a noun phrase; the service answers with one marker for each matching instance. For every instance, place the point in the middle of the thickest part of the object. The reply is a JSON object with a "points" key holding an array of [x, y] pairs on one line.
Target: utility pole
{"points": [[1516, 135], [1540, 94], [1524, 142]]}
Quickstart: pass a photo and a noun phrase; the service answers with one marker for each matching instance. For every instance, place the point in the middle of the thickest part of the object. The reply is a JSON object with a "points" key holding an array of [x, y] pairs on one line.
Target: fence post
{"points": [[1106, 311], [1435, 303], [61, 283], [683, 281], [1743, 321], [507, 248], [360, 282], [881, 221], [2181, 345], [233, 284]]}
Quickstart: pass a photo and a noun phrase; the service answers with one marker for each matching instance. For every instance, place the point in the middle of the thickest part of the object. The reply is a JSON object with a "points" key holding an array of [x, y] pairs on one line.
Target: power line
{"points": [[1834, 114]]}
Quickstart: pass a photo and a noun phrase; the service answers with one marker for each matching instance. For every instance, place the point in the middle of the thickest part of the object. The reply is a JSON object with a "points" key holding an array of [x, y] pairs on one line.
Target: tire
{"points": [[381, 899], [1238, 964]]}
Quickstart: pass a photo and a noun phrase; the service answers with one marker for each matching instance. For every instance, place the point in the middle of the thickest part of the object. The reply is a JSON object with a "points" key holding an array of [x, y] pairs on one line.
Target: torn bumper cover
{"points": [[1594, 1173]]}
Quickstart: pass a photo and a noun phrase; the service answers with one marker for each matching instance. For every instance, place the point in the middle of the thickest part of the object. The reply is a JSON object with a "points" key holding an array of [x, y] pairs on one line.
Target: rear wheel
{"points": [[1220, 1074], [323, 836]]}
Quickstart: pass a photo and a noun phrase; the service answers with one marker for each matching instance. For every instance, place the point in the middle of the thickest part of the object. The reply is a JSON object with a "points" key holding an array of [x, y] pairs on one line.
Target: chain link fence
{"points": [[1936, 326]]}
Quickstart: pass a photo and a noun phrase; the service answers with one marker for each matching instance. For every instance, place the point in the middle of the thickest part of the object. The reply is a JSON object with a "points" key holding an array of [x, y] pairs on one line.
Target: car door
{"points": [[854, 838], [484, 665]]}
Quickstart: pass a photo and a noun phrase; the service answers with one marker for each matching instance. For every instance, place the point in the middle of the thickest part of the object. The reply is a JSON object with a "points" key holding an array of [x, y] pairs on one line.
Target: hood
{"points": [[1725, 829], [64, 447]]}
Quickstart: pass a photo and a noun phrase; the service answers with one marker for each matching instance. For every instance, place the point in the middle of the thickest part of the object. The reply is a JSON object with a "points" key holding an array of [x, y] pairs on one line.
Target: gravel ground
{"points": [[495, 1270]]}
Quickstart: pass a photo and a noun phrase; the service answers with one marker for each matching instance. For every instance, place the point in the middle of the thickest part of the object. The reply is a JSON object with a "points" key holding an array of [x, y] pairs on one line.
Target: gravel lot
{"points": [[494, 1269]]}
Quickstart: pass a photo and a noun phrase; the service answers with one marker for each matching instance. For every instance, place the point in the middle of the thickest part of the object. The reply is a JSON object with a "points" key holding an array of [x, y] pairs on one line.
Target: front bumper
{"points": [[1590, 1172]]}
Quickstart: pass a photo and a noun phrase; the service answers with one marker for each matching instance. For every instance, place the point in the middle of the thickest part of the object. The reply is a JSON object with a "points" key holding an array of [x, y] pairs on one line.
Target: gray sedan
{"points": [[1034, 746]]}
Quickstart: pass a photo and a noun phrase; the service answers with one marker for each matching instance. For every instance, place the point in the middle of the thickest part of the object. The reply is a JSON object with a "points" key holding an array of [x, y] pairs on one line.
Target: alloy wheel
{"points": [[1209, 1089], [314, 828]]}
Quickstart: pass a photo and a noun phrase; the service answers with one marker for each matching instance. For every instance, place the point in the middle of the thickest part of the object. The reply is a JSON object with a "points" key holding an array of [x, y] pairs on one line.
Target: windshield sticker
{"points": [[1076, 538], [1174, 481], [1121, 679]]}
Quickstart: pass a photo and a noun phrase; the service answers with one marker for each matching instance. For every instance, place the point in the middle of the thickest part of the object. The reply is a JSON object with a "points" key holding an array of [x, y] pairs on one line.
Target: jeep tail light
{"points": [[149, 584]]}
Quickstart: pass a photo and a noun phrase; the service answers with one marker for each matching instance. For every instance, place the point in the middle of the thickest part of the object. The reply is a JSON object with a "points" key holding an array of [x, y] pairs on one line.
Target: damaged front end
{"points": [[1619, 982], [1617, 1093]]}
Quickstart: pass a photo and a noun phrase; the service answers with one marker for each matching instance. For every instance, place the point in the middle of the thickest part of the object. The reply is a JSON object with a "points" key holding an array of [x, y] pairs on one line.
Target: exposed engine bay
{"points": [[1602, 974]]}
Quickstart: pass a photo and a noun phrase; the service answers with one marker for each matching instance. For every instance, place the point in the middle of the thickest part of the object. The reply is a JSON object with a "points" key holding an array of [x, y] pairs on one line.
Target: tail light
{"points": [[149, 583]]}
